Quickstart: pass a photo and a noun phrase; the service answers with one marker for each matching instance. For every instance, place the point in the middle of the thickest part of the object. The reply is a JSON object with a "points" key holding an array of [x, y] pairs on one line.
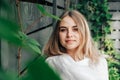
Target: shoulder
{"points": [[51, 59], [57, 58], [102, 59], [103, 68], [102, 63], [54, 60]]}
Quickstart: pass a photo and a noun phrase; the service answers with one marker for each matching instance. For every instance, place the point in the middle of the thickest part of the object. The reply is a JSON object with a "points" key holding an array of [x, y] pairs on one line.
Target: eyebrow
{"points": [[65, 27], [75, 26], [62, 27]]}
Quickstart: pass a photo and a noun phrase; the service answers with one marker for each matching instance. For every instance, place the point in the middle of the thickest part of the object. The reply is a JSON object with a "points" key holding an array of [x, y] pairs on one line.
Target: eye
{"points": [[75, 29], [62, 29]]}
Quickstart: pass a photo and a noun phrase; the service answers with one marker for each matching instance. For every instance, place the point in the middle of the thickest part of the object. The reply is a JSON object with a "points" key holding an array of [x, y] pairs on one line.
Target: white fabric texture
{"points": [[69, 69]]}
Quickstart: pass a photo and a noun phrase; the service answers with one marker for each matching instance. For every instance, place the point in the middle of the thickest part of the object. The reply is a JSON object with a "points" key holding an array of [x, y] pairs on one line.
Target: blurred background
{"points": [[39, 27]]}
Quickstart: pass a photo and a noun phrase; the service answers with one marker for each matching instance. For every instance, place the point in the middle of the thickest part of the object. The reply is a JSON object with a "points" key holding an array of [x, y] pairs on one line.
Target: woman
{"points": [[71, 51]]}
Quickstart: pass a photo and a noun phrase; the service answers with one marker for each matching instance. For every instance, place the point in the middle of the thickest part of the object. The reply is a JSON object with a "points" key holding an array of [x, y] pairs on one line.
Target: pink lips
{"points": [[69, 41]]}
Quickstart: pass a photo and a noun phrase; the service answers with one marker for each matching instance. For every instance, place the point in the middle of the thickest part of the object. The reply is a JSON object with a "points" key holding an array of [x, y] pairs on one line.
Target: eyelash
{"points": [[75, 29], [63, 30]]}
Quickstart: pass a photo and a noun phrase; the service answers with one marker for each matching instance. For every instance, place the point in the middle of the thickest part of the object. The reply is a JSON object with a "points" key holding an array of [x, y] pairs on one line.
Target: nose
{"points": [[69, 33]]}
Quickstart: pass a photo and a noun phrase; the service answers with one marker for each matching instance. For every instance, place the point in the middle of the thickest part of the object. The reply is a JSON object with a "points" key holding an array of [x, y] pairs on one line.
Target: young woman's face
{"points": [[68, 33]]}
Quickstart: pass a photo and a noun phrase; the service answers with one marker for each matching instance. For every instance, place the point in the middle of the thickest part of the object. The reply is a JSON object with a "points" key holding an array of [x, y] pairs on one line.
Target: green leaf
{"points": [[117, 56], [5, 6], [9, 25], [7, 75], [41, 8], [107, 29], [30, 43], [33, 41], [9, 31], [44, 12], [109, 16], [39, 70], [34, 48], [34, 45]]}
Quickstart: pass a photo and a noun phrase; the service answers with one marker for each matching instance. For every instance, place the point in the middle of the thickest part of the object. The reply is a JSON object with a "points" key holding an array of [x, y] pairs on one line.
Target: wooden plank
{"points": [[113, 0], [114, 5], [115, 35], [115, 24], [116, 44], [115, 15]]}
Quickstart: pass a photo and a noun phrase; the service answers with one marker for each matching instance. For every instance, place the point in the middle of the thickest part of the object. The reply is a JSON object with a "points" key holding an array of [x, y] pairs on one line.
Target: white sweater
{"points": [[69, 69]]}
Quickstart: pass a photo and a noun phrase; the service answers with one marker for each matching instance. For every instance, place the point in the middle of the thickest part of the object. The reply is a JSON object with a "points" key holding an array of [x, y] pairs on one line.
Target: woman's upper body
{"points": [[72, 52], [69, 69]]}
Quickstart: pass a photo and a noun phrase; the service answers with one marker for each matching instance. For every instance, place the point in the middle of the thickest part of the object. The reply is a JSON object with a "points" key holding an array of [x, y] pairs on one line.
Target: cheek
{"points": [[61, 38], [79, 38]]}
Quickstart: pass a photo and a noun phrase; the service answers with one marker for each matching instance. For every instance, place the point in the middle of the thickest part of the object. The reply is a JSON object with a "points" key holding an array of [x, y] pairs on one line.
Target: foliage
{"points": [[114, 76], [113, 60], [10, 31], [98, 16], [96, 12], [44, 12], [37, 69], [7, 76]]}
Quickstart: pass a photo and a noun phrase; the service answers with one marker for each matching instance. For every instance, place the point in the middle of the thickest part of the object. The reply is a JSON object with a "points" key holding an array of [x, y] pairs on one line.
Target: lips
{"points": [[69, 41]]}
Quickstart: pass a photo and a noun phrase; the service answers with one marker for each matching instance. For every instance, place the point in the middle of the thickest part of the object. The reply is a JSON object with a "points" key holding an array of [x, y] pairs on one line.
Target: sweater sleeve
{"points": [[103, 69], [51, 62], [59, 68]]}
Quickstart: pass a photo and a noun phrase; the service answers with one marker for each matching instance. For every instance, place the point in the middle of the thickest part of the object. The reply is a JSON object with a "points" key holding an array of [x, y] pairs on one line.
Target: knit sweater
{"points": [[68, 69]]}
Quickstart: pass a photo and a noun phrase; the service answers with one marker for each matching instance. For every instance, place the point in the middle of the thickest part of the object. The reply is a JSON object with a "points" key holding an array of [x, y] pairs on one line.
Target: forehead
{"points": [[67, 21]]}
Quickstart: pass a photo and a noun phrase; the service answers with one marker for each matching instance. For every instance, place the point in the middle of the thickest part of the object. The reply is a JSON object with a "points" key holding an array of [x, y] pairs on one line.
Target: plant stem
{"points": [[19, 49], [19, 15], [19, 57]]}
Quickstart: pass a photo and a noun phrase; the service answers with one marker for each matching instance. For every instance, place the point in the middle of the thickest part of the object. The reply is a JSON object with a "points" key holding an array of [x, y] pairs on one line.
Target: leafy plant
{"points": [[38, 69], [97, 14], [113, 60], [44, 12]]}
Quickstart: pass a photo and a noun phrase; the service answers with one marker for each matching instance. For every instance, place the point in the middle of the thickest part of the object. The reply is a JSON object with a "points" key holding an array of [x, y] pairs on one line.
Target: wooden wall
{"points": [[114, 8], [38, 27]]}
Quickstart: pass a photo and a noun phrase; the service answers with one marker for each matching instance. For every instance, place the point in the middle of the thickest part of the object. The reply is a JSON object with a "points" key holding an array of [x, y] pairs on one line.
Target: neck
{"points": [[76, 54]]}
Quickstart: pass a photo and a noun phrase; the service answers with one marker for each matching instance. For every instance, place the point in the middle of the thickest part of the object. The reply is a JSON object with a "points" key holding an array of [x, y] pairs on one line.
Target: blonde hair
{"points": [[53, 47]]}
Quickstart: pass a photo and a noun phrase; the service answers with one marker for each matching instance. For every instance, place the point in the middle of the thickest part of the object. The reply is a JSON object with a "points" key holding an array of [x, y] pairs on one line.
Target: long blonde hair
{"points": [[53, 47]]}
